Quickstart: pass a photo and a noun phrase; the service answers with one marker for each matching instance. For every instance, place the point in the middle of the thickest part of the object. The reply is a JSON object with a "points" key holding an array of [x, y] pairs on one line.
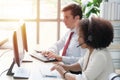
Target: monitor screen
{"points": [[18, 49], [24, 37]]}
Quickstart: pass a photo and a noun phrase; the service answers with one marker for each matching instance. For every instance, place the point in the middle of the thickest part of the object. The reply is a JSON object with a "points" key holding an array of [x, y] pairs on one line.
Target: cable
{"points": [[3, 72], [3, 51]]}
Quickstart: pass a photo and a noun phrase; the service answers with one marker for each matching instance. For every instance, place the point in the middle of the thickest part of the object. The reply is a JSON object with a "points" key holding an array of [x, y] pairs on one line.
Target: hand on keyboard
{"points": [[50, 54], [43, 58]]}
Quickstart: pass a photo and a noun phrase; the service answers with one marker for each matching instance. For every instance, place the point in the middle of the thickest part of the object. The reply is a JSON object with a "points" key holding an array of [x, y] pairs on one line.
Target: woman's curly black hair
{"points": [[97, 32]]}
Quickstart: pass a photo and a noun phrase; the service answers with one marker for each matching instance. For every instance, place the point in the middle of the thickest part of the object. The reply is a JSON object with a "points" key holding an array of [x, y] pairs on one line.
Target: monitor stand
{"points": [[18, 72], [27, 58], [10, 73], [21, 73]]}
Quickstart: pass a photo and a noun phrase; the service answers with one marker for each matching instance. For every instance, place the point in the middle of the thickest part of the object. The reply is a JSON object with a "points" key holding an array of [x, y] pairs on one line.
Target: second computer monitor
{"points": [[24, 36]]}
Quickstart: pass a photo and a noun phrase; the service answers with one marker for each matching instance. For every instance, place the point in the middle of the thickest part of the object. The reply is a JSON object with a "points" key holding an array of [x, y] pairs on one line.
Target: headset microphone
{"points": [[80, 44]]}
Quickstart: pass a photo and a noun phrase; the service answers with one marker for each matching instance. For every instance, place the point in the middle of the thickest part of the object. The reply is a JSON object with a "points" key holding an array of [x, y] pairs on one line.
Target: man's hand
{"points": [[50, 54]]}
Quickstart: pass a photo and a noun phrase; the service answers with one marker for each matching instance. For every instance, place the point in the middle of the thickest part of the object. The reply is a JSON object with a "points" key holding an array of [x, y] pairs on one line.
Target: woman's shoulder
{"points": [[101, 54]]}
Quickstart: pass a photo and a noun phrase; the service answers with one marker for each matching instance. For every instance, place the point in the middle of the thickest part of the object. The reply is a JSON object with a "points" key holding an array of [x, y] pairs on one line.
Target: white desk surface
{"points": [[35, 68]]}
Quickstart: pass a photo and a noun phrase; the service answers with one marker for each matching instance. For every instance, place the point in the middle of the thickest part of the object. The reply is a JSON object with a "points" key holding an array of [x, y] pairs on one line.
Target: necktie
{"points": [[67, 43]]}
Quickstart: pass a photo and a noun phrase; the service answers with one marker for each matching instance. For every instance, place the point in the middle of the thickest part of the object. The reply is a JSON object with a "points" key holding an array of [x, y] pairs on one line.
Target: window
{"points": [[41, 19]]}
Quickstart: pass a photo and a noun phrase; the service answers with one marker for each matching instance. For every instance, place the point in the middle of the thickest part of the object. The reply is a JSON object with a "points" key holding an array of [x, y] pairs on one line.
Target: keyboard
{"points": [[47, 73], [40, 57]]}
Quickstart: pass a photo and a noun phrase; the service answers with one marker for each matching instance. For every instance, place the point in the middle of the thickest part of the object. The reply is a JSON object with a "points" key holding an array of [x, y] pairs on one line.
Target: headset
{"points": [[89, 38]]}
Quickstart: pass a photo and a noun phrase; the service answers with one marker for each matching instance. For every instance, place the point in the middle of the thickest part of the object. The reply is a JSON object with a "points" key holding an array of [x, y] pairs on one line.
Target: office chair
{"points": [[114, 76]]}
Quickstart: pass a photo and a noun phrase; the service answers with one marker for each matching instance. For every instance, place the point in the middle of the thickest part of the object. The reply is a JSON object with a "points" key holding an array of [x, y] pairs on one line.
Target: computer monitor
{"points": [[18, 47], [18, 50], [27, 57], [24, 36], [18, 57]]}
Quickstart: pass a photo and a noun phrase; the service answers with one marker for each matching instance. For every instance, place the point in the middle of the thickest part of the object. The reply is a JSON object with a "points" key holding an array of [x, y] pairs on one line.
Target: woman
{"points": [[95, 35]]}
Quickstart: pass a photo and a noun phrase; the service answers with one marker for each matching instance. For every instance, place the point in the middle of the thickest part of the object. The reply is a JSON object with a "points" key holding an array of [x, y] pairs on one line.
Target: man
{"points": [[72, 13]]}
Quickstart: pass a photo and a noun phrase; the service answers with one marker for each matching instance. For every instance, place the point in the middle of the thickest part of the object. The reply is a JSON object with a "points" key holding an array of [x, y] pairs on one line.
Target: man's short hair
{"points": [[76, 10]]}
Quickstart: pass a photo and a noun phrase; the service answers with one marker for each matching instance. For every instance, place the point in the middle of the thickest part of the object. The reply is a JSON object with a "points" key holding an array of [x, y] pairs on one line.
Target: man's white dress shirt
{"points": [[73, 52], [99, 67]]}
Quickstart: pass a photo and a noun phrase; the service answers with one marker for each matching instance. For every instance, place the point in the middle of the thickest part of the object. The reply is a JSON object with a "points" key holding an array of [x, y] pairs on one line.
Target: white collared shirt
{"points": [[73, 52], [99, 67]]}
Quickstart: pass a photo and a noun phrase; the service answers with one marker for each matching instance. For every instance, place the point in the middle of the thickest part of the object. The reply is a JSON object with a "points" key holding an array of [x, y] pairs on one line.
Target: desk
{"points": [[35, 68]]}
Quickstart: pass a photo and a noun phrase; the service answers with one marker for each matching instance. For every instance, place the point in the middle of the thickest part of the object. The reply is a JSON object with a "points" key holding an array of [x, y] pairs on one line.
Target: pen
{"points": [[51, 76]]}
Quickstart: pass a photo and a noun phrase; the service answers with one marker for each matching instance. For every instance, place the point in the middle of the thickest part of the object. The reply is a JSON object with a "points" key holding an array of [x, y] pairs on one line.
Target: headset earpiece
{"points": [[90, 38]]}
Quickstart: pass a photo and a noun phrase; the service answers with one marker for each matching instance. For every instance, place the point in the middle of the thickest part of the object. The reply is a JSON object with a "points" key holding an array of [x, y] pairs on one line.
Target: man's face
{"points": [[68, 19]]}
